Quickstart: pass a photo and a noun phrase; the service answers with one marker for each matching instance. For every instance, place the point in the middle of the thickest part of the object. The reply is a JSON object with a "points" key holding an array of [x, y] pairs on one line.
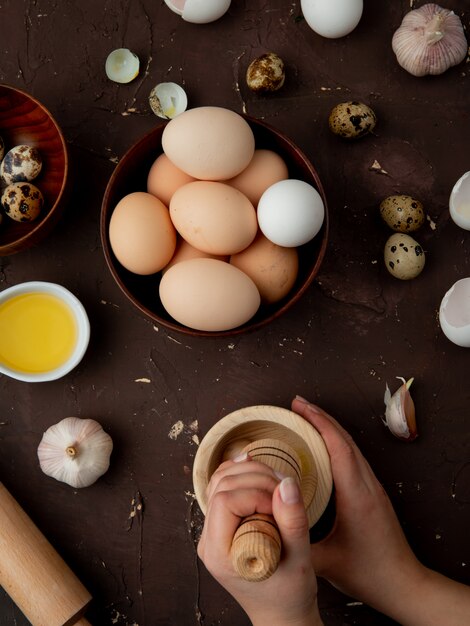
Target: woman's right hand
{"points": [[366, 555]]}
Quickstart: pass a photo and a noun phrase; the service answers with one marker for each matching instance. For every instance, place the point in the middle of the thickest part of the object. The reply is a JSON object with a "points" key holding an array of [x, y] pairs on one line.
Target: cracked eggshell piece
{"points": [[167, 100], [122, 66], [454, 313], [199, 11], [332, 18], [459, 202]]}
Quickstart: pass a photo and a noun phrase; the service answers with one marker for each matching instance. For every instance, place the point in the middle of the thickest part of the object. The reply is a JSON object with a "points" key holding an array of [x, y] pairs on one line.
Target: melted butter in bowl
{"points": [[44, 331]]}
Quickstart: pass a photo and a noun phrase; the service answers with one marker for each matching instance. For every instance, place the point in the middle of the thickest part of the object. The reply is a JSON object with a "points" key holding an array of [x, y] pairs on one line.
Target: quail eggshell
{"points": [[213, 217], [272, 268], [22, 201], [209, 143], [332, 18], [404, 257], [459, 202], [402, 213], [290, 212], [185, 251], [21, 163], [454, 313], [265, 168], [164, 179], [199, 11], [208, 295], [141, 234], [352, 120]]}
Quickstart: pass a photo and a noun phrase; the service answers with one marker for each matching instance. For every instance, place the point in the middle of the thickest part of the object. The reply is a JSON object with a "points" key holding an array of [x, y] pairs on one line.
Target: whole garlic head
{"points": [[75, 451], [430, 40]]}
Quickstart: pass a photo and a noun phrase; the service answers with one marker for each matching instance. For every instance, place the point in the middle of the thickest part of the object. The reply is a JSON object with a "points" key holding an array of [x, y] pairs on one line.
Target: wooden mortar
{"points": [[288, 444]]}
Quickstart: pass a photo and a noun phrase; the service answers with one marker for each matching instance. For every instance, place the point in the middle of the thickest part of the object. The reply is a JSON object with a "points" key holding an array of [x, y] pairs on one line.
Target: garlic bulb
{"points": [[429, 41], [75, 451], [400, 411]]}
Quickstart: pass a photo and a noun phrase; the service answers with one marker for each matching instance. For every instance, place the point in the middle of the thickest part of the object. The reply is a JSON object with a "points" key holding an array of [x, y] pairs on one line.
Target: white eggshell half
{"points": [[290, 213], [199, 11], [454, 313], [459, 202], [332, 18]]}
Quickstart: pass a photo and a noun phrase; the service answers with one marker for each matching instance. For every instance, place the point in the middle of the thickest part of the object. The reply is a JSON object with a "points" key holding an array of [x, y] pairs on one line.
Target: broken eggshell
{"points": [[167, 100], [199, 11], [122, 66], [459, 202], [400, 416], [454, 313]]}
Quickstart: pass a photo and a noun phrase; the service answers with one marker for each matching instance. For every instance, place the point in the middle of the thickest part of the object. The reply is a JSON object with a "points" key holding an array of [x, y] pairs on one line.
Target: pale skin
{"points": [[366, 555]]}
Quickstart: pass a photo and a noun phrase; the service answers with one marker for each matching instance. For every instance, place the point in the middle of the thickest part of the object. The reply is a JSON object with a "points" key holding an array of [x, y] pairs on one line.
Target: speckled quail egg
{"points": [[22, 201], [404, 257], [266, 73], [2, 148], [352, 120], [21, 163], [402, 213]]}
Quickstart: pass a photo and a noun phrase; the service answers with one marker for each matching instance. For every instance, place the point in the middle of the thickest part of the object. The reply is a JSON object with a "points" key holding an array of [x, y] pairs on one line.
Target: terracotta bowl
{"points": [[131, 175], [24, 120]]}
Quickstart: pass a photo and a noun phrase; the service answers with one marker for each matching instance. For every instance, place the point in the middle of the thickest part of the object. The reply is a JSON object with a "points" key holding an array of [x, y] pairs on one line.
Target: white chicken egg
{"points": [[199, 11], [454, 313], [122, 65], [332, 18], [290, 212]]}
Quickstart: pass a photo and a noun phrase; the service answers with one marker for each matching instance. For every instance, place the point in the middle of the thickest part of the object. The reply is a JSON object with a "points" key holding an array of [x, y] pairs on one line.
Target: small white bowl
{"points": [[82, 325], [459, 202]]}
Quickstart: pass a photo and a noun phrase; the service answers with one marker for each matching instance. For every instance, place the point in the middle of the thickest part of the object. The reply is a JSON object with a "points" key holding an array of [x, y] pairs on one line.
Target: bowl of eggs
{"points": [[33, 170], [214, 223]]}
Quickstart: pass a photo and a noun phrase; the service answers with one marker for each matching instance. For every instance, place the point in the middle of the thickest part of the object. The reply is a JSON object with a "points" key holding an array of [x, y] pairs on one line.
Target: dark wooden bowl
{"points": [[24, 120], [131, 175]]}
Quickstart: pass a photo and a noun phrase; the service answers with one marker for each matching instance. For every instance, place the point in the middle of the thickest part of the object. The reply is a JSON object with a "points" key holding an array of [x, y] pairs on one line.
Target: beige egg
{"points": [[402, 213], [208, 295], [209, 143], [141, 233], [265, 168], [185, 251], [164, 179], [272, 268], [213, 217], [404, 257]]}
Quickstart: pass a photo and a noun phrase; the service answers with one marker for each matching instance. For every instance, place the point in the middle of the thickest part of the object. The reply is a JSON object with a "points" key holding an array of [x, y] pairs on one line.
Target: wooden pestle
{"points": [[33, 574], [256, 545]]}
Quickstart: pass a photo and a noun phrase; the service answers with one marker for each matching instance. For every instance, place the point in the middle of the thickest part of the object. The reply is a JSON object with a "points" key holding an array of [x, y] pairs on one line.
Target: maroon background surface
{"points": [[354, 330]]}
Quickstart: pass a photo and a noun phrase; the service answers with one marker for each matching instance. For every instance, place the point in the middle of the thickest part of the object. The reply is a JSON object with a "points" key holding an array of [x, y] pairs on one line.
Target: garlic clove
{"points": [[429, 40], [400, 415], [75, 451]]}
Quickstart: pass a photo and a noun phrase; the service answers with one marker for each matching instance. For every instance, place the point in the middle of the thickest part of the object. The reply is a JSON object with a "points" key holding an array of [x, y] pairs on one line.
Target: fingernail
{"points": [[279, 475], [289, 491], [301, 399], [243, 456]]}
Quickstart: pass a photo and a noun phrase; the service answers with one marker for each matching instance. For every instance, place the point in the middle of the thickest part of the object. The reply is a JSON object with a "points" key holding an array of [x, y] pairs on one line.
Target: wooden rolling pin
{"points": [[34, 575], [256, 545]]}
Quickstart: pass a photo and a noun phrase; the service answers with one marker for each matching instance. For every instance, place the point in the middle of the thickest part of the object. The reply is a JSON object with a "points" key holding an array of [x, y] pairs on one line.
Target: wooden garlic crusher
{"points": [[289, 445]]}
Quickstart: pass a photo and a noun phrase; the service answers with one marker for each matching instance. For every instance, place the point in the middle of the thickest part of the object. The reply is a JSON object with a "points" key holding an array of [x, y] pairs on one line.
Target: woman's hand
{"points": [[238, 489], [367, 555]]}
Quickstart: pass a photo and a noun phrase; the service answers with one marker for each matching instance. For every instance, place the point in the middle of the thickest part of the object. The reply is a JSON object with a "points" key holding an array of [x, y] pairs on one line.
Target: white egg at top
{"points": [[290, 213], [199, 11], [454, 313], [332, 18]]}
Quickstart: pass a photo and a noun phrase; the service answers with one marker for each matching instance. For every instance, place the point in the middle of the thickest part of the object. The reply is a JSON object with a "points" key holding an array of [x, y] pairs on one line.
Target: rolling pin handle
{"points": [[256, 548]]}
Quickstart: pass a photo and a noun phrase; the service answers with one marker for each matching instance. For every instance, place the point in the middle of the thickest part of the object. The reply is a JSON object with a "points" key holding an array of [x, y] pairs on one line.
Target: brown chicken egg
{"points": [[141, 234], [164, 179]]}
